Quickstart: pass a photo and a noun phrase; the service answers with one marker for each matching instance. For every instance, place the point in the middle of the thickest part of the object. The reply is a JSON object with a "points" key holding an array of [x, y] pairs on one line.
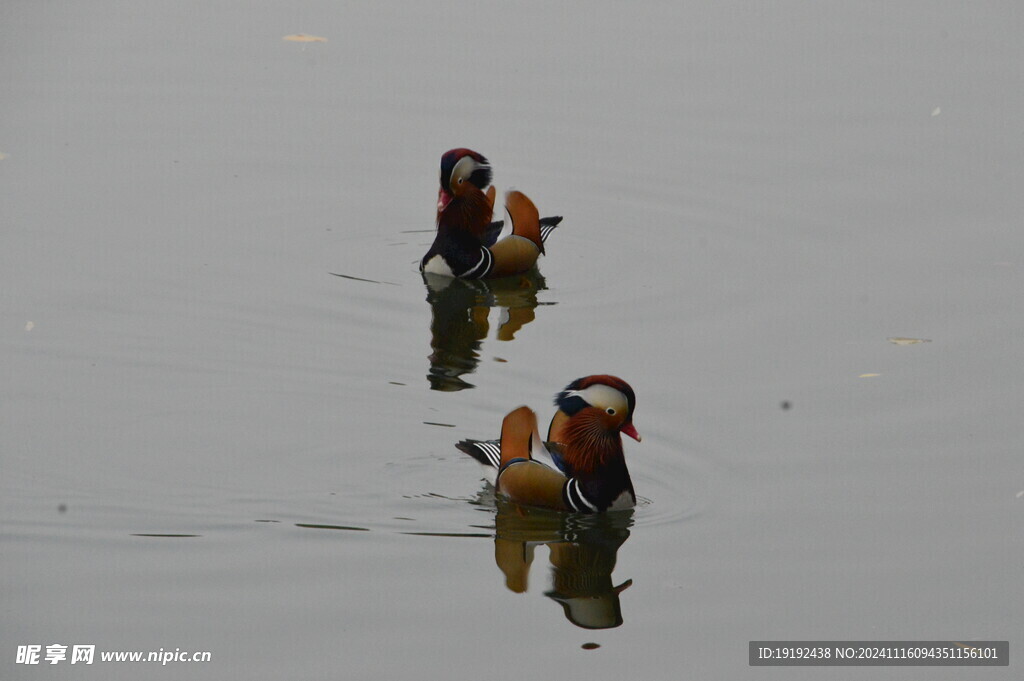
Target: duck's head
{"points": [[597, 404], [461, 169]]}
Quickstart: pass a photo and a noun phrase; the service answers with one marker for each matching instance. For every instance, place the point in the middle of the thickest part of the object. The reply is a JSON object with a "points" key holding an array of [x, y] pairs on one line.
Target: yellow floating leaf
{"points": [[302, 38], [936, 111], [868, 375], [907, 341], [29, 326]]}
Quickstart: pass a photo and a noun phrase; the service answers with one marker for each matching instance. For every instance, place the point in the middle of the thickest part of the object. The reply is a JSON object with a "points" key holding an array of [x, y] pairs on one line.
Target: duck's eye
{"points": [[610, 411], [460, 180]]}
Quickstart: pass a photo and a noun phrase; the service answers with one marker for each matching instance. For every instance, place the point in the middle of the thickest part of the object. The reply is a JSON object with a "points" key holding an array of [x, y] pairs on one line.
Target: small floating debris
{"points": [[590, 646], [907, 341], [29, 326], [868, 375], [786, 405], [303, 38], [936, 111], [443, 425]]}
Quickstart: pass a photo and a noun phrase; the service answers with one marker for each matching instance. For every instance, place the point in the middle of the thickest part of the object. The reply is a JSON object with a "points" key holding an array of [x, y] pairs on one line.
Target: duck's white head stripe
{"points": [[601, 396], [463, 168]]}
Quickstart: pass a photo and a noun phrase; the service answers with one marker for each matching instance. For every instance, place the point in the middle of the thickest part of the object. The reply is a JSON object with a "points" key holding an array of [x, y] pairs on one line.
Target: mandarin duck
{"points": [[468, 244], [588, 472]]}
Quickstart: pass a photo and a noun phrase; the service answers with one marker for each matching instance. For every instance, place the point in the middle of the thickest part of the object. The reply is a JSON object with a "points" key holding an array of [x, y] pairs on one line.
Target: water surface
{"points": [[211, 443]]}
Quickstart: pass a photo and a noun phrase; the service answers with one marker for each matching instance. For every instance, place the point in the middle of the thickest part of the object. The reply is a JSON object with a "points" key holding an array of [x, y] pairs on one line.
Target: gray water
{"points": [[211, 443]]}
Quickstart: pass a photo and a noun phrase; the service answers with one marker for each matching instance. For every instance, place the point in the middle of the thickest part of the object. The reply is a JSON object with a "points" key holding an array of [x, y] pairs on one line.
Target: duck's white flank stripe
{"points": [[576, 496], [485, 260]]}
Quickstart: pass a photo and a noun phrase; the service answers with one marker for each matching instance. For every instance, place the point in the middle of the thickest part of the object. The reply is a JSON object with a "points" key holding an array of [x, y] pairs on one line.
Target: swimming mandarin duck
{"points": [[588, 471], [468, 244]]}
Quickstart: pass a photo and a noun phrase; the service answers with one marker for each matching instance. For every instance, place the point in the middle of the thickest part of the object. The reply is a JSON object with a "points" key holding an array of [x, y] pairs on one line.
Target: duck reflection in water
{"points": [[460, 309], [582, 549]]}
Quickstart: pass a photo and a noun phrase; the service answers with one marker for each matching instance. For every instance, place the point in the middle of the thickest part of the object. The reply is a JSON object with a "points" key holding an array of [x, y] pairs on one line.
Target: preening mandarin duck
{"points": [[588, 471], [468, 244]]}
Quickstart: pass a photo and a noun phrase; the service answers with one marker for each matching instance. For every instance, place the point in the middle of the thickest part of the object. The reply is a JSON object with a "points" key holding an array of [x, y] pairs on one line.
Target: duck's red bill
{"points": [[629, 430], [443, 199]]}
